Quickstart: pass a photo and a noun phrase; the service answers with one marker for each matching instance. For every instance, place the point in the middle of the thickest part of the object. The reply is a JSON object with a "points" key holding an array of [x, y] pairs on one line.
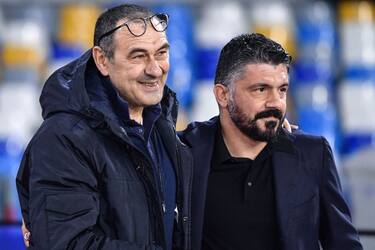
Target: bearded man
{"points": [[255, 185]]}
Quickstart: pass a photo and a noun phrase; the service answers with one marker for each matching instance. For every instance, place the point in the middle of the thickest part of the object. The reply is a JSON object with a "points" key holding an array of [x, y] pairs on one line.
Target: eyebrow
{"points": [[141, 50], [164, 46], [285, 85], [260, 84]]}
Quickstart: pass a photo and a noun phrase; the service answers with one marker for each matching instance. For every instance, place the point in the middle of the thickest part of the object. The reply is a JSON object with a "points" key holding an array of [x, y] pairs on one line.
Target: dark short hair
{"points": [[247, 49], [109, 19]]}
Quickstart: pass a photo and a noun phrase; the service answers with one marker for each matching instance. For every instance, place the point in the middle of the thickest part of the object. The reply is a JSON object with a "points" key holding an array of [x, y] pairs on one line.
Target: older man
{"points": [[106, 170]]}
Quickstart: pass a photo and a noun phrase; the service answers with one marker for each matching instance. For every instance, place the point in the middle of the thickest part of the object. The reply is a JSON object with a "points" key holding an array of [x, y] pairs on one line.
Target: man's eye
{"points": [[138, 56], [162, 53], [284, 89], [260, 89]]}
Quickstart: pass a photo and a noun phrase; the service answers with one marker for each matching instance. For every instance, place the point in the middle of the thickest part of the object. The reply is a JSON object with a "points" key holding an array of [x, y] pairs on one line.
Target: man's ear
{"points": [[101, 60], [221, 93]]}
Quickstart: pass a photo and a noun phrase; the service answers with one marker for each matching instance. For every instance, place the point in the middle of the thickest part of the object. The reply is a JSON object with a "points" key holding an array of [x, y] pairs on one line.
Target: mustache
{"points": [[269, 113]]}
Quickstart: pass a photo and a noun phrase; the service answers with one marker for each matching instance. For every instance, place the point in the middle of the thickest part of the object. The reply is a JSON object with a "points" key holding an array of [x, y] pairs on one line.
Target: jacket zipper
{"points": [[148, 185]]}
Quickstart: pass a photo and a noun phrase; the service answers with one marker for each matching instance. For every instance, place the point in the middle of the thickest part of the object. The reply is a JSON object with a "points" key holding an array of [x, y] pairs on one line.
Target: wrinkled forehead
{"points": [[263, 68], [258, 72], [149, 42]]}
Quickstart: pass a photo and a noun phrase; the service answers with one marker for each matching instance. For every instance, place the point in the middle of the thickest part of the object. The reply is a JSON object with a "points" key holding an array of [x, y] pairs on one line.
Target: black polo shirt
{"points": [[240, 204]]}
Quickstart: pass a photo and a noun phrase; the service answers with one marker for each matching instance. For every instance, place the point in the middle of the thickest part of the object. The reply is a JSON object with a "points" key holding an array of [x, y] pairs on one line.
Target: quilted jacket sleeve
{"points": [[58, 191]]}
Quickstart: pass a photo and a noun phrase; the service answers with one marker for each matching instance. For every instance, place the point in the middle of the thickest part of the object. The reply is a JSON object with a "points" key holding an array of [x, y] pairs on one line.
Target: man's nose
{"points": [[153, 68], [275, 99]]}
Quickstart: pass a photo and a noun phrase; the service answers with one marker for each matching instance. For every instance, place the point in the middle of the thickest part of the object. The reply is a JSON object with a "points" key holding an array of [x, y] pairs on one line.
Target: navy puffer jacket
{"points": [[83, 184]]}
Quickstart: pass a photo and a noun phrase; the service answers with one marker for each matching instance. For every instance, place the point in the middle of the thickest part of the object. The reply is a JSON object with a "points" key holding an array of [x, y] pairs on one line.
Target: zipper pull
{"points": [[164, 207]]}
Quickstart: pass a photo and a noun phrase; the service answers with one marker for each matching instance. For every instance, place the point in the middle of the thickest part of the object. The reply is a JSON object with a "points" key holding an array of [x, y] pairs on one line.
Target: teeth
{"points": [[150, 84]]}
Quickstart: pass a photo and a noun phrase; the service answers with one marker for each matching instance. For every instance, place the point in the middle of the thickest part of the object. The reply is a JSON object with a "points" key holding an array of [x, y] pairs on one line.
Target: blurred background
{"points": [[332, 78]]}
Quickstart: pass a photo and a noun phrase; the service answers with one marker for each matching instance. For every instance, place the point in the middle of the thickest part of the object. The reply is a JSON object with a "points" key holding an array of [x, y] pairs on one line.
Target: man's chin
{"points": [[265, 135], [150, 100], [268, 131]]}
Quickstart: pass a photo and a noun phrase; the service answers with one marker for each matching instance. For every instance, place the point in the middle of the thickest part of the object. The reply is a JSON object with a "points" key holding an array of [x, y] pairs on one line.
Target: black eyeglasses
{"points": [[137, 26]]}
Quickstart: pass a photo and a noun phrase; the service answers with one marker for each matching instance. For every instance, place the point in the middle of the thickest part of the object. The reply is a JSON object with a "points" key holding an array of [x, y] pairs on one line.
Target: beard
{"points": [[249, 127]]}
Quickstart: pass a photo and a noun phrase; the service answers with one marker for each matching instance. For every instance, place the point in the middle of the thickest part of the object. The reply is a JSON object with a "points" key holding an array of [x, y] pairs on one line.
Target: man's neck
{"points": [[136, 114], [239, 144]]}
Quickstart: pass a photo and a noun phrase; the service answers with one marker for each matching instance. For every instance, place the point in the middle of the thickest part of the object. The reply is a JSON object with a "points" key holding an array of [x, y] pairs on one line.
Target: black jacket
{"points": [[83, 184], [309, 202]]}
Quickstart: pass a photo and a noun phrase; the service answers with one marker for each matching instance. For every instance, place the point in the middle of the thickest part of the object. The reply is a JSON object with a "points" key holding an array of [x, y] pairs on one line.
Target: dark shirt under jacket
{"points": [[240, 205], [148, 139]]}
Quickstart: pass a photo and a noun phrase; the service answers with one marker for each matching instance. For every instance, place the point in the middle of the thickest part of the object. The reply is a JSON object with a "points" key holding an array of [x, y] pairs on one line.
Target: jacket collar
{"points": [[285, 142], [201, 137], [286, 169]]}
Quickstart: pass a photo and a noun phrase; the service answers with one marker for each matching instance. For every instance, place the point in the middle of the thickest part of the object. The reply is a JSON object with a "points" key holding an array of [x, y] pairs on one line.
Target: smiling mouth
{"points": [[150, 84]]}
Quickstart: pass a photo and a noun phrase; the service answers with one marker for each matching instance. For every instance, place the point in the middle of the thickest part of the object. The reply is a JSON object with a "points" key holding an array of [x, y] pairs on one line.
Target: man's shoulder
{"points": [[308, 138], [308, 142], [59, 127], [197, 126], [64, 122], [198, 131]]}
